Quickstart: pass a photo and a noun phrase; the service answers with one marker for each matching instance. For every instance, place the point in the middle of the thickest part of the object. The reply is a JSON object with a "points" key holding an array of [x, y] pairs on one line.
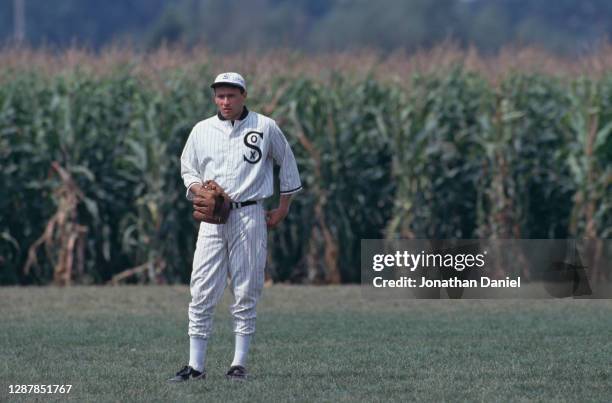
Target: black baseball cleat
{"points": [[237, 373], [186, 374]]}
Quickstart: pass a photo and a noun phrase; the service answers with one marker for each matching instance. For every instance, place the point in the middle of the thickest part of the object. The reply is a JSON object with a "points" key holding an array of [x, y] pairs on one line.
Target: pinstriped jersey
{"points": [[239, 156]]}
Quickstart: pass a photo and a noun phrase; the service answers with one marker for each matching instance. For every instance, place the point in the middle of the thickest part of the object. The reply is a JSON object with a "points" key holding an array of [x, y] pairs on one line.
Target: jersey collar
{"points": [[243, 115]]}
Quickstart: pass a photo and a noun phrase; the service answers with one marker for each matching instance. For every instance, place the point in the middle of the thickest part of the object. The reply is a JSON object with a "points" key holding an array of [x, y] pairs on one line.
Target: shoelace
{"points": [[237, 371], [184, 371]]}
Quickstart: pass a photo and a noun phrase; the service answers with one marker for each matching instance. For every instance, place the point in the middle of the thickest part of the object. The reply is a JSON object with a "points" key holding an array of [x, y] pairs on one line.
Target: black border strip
{"points": [[292, 190]]}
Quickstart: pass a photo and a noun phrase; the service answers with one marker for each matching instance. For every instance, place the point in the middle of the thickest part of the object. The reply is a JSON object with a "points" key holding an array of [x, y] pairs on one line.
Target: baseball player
{"points": [[235, 149]]}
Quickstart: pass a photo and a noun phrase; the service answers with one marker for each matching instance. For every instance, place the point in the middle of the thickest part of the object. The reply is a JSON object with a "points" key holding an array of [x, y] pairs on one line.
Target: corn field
{"points": [[90, 179]]}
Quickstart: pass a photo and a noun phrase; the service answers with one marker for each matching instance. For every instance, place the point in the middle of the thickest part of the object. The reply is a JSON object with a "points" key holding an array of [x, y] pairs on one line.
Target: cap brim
{"points": [[227, 84]]}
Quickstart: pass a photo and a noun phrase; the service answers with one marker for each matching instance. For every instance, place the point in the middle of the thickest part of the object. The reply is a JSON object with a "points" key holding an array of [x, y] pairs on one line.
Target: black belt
{"points": [[236, 205]]}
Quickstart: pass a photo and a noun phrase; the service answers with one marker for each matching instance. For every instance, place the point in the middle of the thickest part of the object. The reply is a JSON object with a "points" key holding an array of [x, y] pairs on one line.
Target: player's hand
{"points": [[197, 190], [274, 217]]}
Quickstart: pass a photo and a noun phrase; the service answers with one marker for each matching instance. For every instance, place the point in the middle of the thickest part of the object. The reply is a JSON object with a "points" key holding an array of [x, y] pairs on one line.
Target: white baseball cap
{"points": [[229, 78]]}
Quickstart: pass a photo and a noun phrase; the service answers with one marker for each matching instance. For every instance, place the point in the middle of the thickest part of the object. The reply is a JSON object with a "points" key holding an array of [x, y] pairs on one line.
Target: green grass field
{"points": [[312, 344]]}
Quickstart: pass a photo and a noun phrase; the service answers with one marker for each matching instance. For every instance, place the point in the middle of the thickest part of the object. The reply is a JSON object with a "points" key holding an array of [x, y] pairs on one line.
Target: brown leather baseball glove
{"points": [[211, 204]]}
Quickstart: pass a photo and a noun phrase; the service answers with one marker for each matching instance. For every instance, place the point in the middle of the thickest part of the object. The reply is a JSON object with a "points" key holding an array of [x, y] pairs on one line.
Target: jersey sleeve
{"points": [[282, 154], [189, 164]]}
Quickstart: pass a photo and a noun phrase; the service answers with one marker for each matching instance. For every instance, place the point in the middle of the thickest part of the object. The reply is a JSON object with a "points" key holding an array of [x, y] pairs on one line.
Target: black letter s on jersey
{"points": [[250, 140]]}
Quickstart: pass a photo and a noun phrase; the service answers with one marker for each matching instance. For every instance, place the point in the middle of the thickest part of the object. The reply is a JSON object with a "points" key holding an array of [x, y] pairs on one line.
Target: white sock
{"points": [[241, 349], [197, 353]]}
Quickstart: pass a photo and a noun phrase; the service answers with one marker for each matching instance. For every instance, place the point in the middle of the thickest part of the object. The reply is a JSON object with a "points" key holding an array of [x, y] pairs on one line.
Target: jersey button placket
{"points": [[227, 157], [234, 152]]}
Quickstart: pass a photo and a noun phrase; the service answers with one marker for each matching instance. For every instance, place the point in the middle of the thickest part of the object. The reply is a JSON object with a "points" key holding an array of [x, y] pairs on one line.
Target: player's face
{"points": [[230, 102]]}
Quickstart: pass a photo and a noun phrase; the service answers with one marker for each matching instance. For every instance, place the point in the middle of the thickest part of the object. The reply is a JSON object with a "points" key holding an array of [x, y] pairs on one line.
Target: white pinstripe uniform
{"points": [[239, 158]]}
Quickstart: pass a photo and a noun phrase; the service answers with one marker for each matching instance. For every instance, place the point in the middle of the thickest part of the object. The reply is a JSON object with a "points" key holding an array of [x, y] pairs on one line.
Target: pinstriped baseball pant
{"points": [[231, 254]]}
